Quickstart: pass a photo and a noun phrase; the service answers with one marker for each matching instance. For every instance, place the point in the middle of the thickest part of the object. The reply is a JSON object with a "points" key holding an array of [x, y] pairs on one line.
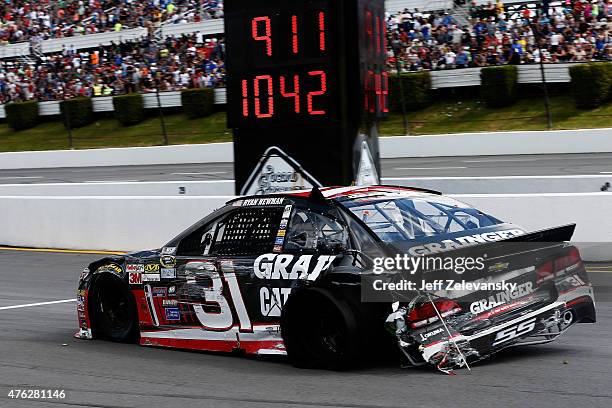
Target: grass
{"points": [[108, 132], [473, 116], [442, 117]]}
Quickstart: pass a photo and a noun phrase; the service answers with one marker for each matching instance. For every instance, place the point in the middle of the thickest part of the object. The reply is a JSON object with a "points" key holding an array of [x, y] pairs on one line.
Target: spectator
{"points": [[577, 31]]}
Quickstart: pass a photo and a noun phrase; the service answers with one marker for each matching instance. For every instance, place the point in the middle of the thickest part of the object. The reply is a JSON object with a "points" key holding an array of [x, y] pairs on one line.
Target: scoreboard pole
{"points": [[307, 76]]}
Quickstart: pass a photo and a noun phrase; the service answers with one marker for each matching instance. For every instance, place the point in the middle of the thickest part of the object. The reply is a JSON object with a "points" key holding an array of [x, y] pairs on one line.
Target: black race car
{"points": [[285, 275]]}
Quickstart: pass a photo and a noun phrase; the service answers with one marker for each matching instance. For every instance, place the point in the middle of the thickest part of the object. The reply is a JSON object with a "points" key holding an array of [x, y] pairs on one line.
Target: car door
{"points": [[217, 293]]}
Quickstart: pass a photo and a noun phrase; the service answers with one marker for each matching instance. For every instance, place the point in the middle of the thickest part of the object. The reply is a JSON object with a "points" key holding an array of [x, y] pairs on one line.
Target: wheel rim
{"points": [[114, 307]]}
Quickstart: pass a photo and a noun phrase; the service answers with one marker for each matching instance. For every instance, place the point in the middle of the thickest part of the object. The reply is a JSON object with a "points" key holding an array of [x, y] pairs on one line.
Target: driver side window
{"points": [[310, 231]]}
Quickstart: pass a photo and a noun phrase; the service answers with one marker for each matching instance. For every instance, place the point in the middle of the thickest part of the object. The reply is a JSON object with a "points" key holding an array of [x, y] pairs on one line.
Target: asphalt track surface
{"points": [[37, 351], [477, 166]]}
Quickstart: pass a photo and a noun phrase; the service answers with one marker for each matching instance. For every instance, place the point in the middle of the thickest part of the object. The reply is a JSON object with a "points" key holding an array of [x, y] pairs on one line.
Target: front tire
{"points": [[320, 330], [113, 310]]}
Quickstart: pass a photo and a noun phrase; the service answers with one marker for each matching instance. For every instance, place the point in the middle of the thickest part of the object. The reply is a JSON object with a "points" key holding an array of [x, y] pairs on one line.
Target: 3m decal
{"points": [[135, 278]]}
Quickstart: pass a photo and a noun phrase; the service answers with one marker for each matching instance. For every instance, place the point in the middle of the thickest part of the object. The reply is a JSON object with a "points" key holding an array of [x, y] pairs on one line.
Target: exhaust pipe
{"points": [[568, 317]]}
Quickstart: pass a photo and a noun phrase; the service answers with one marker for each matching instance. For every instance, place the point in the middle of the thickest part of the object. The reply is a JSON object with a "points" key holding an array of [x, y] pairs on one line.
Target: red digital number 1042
{"points": [[264, 88]]}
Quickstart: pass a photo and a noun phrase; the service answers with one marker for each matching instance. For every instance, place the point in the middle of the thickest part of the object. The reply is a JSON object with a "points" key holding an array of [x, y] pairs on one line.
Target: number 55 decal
{"points": [[223, 319], [515, 331]]}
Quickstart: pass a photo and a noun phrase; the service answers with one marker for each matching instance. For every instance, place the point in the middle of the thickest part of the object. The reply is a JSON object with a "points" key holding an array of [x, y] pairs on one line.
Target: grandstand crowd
{"points": [[568, 31], [132, 66], [22, 20], [571, 31]]}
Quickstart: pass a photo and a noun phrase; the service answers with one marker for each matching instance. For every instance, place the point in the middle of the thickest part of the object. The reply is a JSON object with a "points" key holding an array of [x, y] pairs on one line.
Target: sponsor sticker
{"points": [[170, 303], [152, 268], [274, 266], [134, 268], [287, 211], [281, 233], [277, 248], [114, 268], [168, 261], [168, 250], [159, 292], [150, 277], [172, 313], [168, 273], [172, 291], [283, 223], [135, 278], [279, 241], [427, 335]]}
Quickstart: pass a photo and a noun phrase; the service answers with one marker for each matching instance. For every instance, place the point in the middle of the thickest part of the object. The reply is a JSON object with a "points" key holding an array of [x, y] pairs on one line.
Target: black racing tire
{"points": [[320, 330], [113, 312]]}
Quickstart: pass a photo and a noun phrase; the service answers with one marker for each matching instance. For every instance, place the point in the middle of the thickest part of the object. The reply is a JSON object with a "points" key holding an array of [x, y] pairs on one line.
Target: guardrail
{"points": [[527, 74], [170, 99], [124, 223]]}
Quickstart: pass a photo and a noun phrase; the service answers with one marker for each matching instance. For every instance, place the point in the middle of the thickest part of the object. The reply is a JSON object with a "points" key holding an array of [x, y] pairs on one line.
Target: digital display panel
{"points": [[373, 58], [282, 61]]}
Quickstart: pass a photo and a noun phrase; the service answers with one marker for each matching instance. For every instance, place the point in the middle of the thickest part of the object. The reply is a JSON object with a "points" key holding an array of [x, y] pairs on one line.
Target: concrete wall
{"points": [[111, 223], [464, 144], [133, 189], [131, 223], [498, 143], [177, 154], [588, 183]]}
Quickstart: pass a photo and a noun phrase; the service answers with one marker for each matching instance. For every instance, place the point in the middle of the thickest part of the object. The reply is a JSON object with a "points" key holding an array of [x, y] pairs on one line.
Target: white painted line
{"points": [[37, 304], [429, 168], [499, 160], [110, 181], [579, 176], [605, 172], [204, 173], [20, 177]]}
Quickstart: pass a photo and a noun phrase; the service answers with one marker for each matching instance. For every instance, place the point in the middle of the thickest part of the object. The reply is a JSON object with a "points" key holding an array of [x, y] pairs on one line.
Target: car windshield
{"points": [[400, 218]]}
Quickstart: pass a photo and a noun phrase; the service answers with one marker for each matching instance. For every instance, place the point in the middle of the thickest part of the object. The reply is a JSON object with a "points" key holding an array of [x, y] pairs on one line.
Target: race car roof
{"points": [[341, 192]]}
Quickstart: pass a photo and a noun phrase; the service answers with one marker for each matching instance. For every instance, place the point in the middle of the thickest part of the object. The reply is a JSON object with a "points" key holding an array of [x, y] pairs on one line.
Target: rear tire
{"points": [[320, 330], [113, 310]]}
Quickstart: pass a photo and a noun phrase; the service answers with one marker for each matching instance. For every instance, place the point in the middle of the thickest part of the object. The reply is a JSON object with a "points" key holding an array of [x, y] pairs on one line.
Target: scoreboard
{"points": [[307, 76]]}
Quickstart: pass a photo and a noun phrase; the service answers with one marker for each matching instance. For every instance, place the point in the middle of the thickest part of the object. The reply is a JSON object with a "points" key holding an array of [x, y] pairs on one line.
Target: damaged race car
{"points": [[286, 274]]}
